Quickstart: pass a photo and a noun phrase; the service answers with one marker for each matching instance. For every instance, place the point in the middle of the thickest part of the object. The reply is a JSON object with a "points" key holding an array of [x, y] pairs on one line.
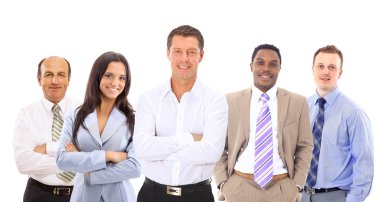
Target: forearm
{"points": [[153, 148], [116, 172], [81, 161], [32, 163], [221, 169], [304, 147]]}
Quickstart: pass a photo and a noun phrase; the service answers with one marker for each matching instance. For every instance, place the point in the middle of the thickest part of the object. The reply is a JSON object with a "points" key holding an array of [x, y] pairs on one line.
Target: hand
{"points": [[197, 137], [220, 192], [70, 147], [116, 157], [40, 148]]}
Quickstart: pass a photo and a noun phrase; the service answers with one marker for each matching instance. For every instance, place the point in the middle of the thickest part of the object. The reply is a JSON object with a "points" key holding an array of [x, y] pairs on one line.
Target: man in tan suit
{"points": [[269, 141]]}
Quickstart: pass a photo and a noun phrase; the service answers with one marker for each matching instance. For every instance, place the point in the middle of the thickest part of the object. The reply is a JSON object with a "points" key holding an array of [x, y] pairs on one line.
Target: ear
{"points": [[340, 72], [251, 66], [168, 54], [201, 56], [39, 80]]}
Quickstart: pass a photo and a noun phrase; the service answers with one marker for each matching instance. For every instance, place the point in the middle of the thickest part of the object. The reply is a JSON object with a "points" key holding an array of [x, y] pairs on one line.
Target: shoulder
{"points": [[73, 102], [33, 108], [154, 93], [291, 95], [349, 106], [238, 94]]}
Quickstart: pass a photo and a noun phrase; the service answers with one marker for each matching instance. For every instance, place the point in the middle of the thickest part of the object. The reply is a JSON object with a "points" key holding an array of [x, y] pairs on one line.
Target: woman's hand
{"points": [[116, 157], [70, 147]]}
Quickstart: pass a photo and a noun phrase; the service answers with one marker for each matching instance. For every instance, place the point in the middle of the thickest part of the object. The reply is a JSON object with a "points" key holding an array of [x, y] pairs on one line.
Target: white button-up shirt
{"points": [[163, 134], [245, 162], [34, 127]]}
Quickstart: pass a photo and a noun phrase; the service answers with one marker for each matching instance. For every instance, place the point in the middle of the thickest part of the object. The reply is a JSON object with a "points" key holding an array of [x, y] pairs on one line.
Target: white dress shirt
{"points": [[245, 162], [163, 140], [34, 127]]}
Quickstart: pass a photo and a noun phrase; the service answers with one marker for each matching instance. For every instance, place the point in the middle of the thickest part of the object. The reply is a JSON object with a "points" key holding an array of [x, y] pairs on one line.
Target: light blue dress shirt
{"points": [[346, 158]]}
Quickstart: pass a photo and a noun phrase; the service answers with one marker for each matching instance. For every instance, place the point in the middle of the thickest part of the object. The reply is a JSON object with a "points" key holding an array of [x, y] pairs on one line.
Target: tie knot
{"points": [[321, 102], [55, 108], [264, 97]]}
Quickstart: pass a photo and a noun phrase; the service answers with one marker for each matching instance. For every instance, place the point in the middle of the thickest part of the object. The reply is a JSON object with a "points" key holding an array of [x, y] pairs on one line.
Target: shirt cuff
{"points": [[51, 148], [353, 198]]}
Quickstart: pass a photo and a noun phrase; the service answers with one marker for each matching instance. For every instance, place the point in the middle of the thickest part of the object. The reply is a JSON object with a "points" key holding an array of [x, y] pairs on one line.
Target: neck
{"points": [[105, 107], [181, 86], [323, 93]]}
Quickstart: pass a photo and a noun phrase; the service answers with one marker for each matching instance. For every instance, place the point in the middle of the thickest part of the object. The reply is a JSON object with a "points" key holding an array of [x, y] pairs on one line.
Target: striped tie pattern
{"points": [[56, 134], [263, 167], [317, 136]]}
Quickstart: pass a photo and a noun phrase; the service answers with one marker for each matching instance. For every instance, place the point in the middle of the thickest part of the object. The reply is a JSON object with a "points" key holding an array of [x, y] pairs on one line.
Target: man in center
{"points": [[269, 142], [180, 127]]}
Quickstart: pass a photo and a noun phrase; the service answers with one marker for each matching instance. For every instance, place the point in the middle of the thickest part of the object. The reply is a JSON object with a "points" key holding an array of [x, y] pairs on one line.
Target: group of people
{"points": [[263, 143]]}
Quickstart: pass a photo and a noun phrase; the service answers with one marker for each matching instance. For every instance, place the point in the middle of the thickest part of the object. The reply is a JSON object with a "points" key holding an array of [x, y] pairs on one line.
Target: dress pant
{"points": [[154, 192], [239, 189], [334, 196], [34, 193]]}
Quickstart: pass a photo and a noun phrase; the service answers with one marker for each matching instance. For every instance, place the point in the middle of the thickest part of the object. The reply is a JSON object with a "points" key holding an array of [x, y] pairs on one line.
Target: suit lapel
{"points": [[283, 102], [245, 102], [91, 122], [114, 122]]}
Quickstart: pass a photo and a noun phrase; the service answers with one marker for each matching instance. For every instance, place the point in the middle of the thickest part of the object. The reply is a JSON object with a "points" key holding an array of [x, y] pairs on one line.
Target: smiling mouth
{"points": [[112, 89], [265, 76], [183, 67]]}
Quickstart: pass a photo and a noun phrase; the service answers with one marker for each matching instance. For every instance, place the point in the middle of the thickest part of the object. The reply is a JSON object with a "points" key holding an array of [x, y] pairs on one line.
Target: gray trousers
{"points": [[334, 196]]}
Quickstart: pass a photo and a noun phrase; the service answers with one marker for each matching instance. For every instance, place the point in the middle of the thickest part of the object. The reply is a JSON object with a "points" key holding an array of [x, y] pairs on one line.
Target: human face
{"points": [[113, 81], [265, 68], [184, 55], [54, 78], [327, 70]]}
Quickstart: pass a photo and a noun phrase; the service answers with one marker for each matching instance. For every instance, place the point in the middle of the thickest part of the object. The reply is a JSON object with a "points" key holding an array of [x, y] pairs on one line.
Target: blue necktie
{"points": [[317, 136]]}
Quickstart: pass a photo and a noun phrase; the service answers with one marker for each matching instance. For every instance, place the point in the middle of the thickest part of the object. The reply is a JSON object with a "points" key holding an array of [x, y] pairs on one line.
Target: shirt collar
{"points": [[49, 105], [330, 97], [196, 90], [256, 93]]}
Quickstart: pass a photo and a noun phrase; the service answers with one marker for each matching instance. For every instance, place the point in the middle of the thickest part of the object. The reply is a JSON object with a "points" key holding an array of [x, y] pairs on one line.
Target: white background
{"points": [[82, 30]]}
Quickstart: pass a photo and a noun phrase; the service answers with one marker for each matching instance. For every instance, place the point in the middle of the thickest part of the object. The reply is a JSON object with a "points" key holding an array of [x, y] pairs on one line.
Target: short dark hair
{"points": [[329, 49], [186, 31], [266, 46], [42, 61]]}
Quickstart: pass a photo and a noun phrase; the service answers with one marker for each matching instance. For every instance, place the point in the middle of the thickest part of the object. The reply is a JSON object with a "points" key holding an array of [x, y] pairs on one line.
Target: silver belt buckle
{"points": [[66, 191], [175, 191], [311, 191]]}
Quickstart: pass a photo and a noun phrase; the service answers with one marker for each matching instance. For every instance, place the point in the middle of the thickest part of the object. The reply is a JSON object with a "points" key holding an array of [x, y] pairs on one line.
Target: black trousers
{"points": [[34, 193], [149, 193]]}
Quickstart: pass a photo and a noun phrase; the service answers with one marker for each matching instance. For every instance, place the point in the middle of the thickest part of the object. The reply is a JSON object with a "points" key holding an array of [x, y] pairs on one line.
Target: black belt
{"points": [[180, 189], [317, 191], [56, 190]]}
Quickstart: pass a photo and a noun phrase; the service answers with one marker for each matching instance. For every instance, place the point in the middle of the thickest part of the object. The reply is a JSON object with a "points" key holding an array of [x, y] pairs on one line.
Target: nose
{"points": [[114, 81], [325, 70], [266, 68], [54, 80], [184, 56]]}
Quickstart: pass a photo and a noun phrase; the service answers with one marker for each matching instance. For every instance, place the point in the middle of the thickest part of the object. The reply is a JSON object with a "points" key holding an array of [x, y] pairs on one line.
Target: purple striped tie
{"points": [[263, 168]]}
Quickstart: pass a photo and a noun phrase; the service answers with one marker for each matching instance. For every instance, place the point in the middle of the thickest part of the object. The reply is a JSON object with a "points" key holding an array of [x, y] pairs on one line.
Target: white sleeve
{"points": [[28, 161], [148, 146]]}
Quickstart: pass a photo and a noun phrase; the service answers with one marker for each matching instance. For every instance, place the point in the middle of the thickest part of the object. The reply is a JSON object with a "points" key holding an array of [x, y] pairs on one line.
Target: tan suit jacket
{"points": [[294, 134]]}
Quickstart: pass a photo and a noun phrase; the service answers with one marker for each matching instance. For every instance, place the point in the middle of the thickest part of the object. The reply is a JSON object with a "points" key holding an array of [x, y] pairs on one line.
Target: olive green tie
{"points": [[56, 134]]}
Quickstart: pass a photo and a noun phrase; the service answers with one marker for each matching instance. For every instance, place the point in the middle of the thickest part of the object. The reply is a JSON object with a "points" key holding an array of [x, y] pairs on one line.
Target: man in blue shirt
{"points": [[343, 160]]}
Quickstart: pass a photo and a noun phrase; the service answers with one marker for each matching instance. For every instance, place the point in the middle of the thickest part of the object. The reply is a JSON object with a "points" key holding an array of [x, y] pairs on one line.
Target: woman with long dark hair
{"points": [[96, 139]]}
